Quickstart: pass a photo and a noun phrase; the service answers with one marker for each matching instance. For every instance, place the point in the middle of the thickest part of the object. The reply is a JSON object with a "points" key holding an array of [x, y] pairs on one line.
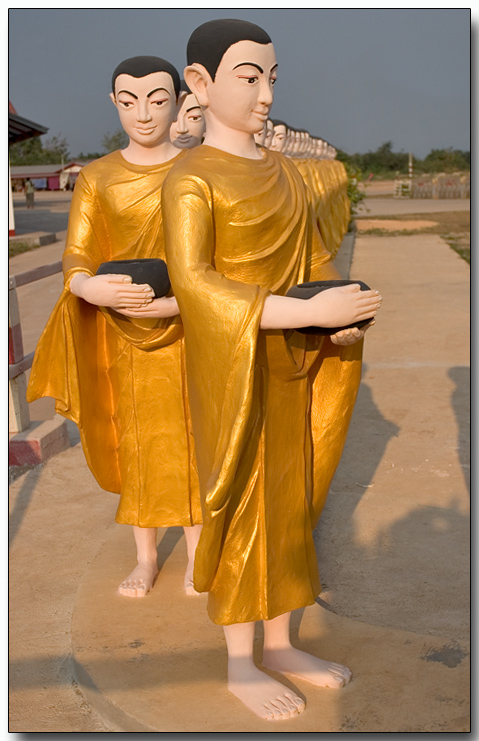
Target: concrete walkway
{"points": [[392, 548]]}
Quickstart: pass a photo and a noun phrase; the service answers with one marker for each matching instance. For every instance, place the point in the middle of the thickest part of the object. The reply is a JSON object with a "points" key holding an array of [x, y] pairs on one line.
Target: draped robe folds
{"points": [[270, 409], [121, 380], [327, 183]]}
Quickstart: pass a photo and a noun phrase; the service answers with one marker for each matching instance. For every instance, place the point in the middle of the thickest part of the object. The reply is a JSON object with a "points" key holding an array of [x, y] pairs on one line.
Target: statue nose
{"points": [[144, 112]]}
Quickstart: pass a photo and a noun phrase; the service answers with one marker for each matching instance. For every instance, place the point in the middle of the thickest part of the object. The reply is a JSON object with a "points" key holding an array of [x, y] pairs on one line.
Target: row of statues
{"points": [[280, 137], [210, 408], [188, 129]]}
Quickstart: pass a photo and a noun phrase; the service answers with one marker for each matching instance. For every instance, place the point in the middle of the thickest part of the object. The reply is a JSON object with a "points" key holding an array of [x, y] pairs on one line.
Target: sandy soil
{"points": [[365, 225]]}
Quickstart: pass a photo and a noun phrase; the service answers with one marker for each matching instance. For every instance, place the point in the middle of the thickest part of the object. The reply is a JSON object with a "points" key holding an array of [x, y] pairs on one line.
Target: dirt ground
{"points": [[365, 225], [392, 543], [453, 226]]}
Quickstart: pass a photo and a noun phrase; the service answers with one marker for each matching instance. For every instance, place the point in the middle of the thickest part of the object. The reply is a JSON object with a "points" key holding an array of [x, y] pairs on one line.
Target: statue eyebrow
{"points": [[193, 108], [252, 64], [156, 90], [249, 64], [128, 93]]}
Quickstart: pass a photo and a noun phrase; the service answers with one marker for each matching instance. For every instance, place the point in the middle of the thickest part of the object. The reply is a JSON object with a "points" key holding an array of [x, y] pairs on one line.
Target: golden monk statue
{"points": [[270, 406], [111, 354]]}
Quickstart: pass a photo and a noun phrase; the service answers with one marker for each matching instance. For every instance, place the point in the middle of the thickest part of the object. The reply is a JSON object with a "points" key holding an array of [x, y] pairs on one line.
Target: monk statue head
{"points": [[145, 92], [279, 138], [231, 71], [188, 129]]}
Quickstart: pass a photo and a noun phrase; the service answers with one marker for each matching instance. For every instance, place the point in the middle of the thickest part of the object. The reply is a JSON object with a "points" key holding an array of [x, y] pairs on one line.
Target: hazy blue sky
{"points": [[355, 77]]}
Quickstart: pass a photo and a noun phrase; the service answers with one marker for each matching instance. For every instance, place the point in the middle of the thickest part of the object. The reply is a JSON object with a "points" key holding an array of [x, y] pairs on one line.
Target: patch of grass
{"points": [[460, 246], [454, 221], [16, 248], [379, 195], [390, 232], [453, 226]]}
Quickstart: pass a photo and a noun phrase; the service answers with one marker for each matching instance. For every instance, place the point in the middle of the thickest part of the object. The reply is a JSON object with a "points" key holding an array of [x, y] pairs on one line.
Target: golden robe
{"points": [[270, 409], [121, 380], [327, 182]]}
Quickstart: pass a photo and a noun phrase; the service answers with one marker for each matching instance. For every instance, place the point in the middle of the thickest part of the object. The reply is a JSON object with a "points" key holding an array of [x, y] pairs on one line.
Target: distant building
{"points": [[47, 177]]}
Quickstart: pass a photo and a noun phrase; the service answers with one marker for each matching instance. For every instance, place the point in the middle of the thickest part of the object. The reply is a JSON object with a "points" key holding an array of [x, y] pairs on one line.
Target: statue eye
{"points": [[250, 80]]}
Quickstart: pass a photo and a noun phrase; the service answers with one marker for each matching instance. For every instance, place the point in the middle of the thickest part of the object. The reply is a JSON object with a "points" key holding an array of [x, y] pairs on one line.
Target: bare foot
{"points": [[343, 305], [192, 536], [264, 696], [188, 583], [306, 666], [140, 581]]}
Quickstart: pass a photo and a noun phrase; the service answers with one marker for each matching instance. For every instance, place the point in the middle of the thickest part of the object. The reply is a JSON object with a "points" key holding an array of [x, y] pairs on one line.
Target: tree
{"points": [[446, 160], [56, 150], [28, 152], [34, 152], [355, 194], [118, 140], [384, 160], [89, 155]]}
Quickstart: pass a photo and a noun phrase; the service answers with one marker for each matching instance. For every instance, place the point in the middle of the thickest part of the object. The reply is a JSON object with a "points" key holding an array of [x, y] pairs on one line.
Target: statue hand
{"points": [[115, 291], [343, 305], [160, 308], [350, 336]]}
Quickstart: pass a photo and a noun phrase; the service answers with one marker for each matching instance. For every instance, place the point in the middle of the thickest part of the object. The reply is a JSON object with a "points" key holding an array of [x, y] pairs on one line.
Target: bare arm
{"points": [[119, 293], [335, 307]]}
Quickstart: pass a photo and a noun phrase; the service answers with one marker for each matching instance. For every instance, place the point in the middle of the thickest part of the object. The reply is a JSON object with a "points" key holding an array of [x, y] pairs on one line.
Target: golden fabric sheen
{"points": [[270, 409], [327, 183], [121, 380]]}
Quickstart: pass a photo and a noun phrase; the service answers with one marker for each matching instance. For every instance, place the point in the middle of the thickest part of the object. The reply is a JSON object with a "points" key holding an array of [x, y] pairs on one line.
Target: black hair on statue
{"points": [[184, 87], [143, 66], [277, 122], [210, 41]]}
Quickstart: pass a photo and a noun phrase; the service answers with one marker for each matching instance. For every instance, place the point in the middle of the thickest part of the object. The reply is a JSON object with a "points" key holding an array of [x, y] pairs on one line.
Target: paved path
{"points": [[392, 549], [389, 206], [50, 212]]}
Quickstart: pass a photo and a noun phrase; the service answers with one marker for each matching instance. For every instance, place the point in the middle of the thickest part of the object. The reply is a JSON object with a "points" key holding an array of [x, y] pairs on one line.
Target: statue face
{"points": [[278, 141], [260, 137], [146, 107], [241, 96], [268, 134], [189, 127], [296, 142]]}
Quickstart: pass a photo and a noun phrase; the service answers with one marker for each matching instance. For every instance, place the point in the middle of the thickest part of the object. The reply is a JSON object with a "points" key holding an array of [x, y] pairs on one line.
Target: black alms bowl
{"points": [[152, 271]]}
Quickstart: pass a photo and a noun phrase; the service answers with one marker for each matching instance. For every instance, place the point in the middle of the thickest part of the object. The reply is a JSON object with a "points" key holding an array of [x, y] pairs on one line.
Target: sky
{"points": [[354, 77]]}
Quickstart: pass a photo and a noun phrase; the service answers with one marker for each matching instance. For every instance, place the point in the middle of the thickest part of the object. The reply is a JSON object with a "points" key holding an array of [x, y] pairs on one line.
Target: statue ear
{"points": [[113, 99], [198, 78]]}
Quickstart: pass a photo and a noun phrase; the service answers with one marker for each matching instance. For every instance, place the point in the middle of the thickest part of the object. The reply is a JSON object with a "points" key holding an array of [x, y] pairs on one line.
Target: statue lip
{"points": [[145, 131], [262, 115]]}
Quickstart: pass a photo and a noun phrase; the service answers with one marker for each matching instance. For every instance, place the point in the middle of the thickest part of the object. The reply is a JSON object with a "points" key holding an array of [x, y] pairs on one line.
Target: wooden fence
{"points": [[19, 416]]}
